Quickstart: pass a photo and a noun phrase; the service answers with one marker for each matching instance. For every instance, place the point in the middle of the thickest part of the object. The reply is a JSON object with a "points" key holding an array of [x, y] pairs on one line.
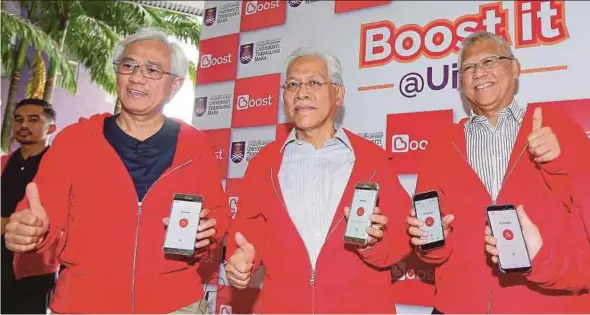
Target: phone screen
{"points": [[182, 228], [428, 210], [361, 210], [507, 231]]}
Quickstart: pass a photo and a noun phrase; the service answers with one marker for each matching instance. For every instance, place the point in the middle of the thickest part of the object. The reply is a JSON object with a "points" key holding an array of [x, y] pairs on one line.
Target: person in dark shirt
{"points": [[34, 121]]}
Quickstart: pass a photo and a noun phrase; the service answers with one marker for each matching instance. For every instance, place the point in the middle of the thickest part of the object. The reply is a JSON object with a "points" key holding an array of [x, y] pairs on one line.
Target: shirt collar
{"points": [[340, 135], [513, 110]]}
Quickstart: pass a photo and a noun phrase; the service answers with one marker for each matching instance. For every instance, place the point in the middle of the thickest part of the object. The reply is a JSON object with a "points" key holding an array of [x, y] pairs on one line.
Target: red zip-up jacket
{"points": [[32, 264], [345, 280], [466, 280], [112, 242]]}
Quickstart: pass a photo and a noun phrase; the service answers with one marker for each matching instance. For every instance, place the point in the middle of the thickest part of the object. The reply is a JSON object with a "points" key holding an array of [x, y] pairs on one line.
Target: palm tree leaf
{"points": [[21, 28], [192, 72]]}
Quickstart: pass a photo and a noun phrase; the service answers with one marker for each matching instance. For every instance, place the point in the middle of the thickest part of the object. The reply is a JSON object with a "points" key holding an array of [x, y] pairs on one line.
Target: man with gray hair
{"points": [[505, 154], [296, 201], [105, 189]]}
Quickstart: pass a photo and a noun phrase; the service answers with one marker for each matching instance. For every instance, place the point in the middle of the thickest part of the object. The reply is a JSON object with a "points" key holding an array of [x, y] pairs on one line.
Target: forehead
{"points": [[148, 50], [481, 49], [308, 65], [26, 110]]}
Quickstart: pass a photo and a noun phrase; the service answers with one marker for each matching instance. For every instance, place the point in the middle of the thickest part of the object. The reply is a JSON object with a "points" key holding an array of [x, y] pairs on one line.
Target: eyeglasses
{"points": [[313, 85], [149, 71], [486, 63]]}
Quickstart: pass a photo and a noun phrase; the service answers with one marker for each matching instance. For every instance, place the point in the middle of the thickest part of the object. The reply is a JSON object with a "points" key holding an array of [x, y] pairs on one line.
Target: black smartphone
{"points": [[181, 233], [506, 228], [427, 209]]}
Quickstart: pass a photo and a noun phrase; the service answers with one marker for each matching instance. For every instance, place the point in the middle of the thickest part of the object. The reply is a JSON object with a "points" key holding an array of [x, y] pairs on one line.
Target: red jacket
{"points": [[32, 264], [466, 280], [112, 245], [345, 280]]}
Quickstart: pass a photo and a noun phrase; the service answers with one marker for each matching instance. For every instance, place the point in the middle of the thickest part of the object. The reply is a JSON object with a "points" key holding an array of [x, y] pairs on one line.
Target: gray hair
{"points": [[178, 60], [332, 63], [480, 36]]}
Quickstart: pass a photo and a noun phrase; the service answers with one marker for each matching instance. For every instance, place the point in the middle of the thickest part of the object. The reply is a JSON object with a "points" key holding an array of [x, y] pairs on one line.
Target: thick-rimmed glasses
{"points": [[152, 72]]}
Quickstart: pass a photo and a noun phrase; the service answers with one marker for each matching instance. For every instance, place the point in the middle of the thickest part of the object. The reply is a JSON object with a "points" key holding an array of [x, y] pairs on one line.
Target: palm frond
{"points": [[21, 28], [192, 72]]}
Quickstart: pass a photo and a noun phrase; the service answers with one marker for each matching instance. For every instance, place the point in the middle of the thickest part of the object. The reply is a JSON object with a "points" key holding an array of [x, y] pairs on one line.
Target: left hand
{"points": [[378, 225], [206, 229], [543, 143]]}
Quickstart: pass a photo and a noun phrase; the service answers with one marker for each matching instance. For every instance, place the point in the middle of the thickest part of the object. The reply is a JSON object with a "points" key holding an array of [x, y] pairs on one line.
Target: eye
{"points": [[489, 61], [467, 68], [126, 65], [314, 83], [292, 85], [19, 120], [34, 119]]}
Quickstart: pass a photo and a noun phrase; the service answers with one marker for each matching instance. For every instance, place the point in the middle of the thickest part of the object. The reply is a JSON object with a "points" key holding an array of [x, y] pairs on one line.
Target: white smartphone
{"points": [[363, 203], [505, 225], [428, 210], [181, 233]]}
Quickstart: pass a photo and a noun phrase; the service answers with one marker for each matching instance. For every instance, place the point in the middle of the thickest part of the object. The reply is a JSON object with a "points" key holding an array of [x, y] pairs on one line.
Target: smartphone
{"points": [[181, 233], [364, 201], [505, 225], [427, 209]]}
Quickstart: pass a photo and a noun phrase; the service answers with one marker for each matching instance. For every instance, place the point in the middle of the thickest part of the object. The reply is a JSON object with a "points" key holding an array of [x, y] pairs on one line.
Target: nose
{"points": [[303, 92], [479, 72], [136, 76]]}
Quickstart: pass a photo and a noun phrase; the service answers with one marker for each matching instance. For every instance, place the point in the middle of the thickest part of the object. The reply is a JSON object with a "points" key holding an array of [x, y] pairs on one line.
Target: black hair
{"points": [[47, 108]]}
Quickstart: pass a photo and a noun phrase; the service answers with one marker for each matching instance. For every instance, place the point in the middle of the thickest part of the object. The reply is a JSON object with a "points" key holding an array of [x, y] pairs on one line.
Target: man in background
{"points": [[34, 121]]}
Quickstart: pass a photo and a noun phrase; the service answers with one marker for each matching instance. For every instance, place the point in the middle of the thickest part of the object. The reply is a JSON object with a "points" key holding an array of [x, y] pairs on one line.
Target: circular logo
{"points": [[508, 235], [360, 211], [183, 222], [429, 221]]}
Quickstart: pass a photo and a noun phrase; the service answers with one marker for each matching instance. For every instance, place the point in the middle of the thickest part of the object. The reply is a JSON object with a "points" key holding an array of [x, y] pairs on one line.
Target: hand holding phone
{"points": [[427, 211], [359, 215], [508, 239], [183, 224]]}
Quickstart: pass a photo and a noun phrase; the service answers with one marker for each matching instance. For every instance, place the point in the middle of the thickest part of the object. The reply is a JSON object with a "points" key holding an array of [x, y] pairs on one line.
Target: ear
{"points": [[340, 92], [51, 129], [176, 85], [516, 69]]}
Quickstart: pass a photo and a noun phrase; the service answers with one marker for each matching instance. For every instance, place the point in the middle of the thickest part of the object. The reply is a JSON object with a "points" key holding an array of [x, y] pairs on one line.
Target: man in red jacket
{"points": [[34, 122], [107, 185], [298, 189], [504, 153]]}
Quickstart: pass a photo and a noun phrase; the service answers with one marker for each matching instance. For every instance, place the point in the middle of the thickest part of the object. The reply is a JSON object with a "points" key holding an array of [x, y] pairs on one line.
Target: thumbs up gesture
{"points": [[239, 266], [543, 143], [27, 228]]}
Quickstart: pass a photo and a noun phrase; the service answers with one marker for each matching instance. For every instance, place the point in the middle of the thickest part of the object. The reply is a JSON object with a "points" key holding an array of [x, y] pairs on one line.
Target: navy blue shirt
{"points": [[145, 160]]}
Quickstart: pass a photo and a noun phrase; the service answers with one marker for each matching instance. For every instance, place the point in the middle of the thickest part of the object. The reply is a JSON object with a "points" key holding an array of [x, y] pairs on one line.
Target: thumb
{"points": [[245, 246], [537, 119], [34, 200]]}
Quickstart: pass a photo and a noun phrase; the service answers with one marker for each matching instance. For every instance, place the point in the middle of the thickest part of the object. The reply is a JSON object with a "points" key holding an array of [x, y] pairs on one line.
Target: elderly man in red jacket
{"points": [[108, 183], [293, 210], [504, 153]]}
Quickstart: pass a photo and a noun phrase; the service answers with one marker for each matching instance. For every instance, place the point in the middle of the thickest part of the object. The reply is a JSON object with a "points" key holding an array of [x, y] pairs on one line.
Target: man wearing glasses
{"points": [[504, 153], [295, 203], [107, 186]]}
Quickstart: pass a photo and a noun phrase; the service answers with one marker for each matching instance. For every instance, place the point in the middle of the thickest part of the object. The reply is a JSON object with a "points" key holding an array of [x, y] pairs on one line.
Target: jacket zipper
{"points": [[493, 201], [312, 279], [139, 210]]}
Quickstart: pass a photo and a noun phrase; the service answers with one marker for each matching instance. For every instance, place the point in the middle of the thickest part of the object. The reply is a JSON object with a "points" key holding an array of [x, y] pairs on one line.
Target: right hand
{"points": [[28, 227], [239, 266], [420, 237]]}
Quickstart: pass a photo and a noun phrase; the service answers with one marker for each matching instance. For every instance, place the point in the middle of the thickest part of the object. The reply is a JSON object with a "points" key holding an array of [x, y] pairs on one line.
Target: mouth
{"points": [[24, 133], [136, 93], [483, 85], [304, 108]]}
